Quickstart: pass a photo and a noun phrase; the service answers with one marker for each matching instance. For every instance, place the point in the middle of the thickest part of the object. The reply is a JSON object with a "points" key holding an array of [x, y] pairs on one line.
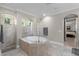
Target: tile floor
{"points": [[54, 50], [14, 52]]}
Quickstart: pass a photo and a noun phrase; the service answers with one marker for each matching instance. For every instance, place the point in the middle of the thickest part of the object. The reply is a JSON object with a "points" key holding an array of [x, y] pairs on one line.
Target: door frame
{"points": [[75, 42]]}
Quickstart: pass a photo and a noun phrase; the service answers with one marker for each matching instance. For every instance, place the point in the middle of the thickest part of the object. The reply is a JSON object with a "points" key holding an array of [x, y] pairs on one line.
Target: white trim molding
{"points": [[57, 43]]}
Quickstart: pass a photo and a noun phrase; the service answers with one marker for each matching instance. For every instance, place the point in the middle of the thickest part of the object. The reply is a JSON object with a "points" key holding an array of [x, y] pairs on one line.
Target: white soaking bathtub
{"points": [[34, 45]]}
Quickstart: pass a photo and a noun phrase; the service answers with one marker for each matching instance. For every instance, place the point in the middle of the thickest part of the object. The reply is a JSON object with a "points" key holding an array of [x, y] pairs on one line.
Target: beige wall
{"points": [[56, 26], [60, 24]]}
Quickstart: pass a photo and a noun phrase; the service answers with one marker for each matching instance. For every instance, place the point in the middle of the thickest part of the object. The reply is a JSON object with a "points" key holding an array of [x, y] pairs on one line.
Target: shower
{"points": [[7, 32]]}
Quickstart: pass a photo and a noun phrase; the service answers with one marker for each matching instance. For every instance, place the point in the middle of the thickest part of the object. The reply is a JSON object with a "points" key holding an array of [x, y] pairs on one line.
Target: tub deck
{"points": [[34, 49]]}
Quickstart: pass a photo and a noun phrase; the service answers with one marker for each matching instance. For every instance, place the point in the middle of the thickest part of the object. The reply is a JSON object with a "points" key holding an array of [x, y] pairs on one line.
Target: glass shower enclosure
{"points": [[7, 32]]}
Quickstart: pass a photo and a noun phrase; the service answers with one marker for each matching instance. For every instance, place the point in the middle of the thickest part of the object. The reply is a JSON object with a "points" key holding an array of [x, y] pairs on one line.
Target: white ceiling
{"points": [[38, 9]]}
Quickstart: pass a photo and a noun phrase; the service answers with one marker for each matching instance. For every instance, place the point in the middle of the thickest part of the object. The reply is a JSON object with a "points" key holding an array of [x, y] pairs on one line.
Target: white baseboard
{"points": [[60, 44], [57, 43]]}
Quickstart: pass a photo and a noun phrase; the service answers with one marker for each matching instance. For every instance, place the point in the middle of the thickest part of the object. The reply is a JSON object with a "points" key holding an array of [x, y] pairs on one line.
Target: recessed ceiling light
{"points": [[44, 14]]}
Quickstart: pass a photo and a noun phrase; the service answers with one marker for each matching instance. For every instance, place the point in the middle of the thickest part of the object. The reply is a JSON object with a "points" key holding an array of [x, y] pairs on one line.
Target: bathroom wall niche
{"points": [[45, 31]]}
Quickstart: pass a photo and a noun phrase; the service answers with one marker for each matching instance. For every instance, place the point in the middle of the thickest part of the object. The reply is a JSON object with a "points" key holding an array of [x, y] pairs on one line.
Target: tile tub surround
{"points": [[34, 49]]}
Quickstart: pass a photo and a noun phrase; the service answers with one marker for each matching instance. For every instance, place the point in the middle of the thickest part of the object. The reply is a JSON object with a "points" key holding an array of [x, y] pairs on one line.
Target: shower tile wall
{"points": [[9, 37], [9, 31]]}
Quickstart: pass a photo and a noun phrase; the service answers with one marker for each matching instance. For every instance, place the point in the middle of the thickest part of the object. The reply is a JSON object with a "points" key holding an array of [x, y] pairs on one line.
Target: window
{"points": [[26, 22], [7, 19]]}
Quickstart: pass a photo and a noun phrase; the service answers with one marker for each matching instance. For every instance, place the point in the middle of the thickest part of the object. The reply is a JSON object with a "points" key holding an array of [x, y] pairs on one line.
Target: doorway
{"points": [[70, 30]]}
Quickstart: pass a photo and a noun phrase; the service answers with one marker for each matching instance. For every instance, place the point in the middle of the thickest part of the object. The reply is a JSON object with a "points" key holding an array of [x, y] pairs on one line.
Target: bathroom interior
{"points": [[39, 29]]}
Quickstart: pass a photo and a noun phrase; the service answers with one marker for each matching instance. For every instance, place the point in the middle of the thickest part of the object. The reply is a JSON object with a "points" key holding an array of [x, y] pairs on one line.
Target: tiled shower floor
{"points": [[54, 50]]}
